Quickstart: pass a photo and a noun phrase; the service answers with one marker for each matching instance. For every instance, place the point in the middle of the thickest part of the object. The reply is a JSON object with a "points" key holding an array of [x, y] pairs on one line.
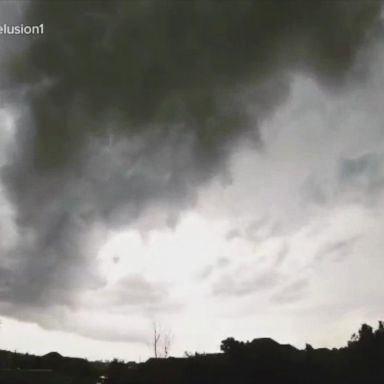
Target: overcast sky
{"points": [[215, 167]]}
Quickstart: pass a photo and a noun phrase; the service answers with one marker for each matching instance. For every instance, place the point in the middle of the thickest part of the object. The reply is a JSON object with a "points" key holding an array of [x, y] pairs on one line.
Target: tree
{"points": [[230, 345], [161, 341], [380, 328], [365, 333], [167, 341], [308, 348], [156, 339]]}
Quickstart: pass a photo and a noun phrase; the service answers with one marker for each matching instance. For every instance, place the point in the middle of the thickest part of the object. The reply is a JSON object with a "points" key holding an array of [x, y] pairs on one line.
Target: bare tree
{"points": [[161, 341], [167, 341], [156, 338]]}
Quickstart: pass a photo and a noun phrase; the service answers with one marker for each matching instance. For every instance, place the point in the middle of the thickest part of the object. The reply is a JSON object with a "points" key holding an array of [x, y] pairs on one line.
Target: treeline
{"points": [[266, 361], [257, 361], [73, 367]]}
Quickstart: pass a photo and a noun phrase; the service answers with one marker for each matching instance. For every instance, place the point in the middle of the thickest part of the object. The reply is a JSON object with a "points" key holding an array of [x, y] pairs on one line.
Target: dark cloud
{"points": [[59, 318], [355, 178], [11, 13], [137, 291], [365, 172], [133, 294], [173, 64], [127, 107]]}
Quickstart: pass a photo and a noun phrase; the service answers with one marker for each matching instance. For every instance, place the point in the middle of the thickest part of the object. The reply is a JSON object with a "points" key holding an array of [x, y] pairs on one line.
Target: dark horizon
{"points": [[262, 358]]}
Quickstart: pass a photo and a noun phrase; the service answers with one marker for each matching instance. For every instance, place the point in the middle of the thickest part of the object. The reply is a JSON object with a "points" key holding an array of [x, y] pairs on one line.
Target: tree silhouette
{"points": [[230, 345], [156, 339], [161, 341]]}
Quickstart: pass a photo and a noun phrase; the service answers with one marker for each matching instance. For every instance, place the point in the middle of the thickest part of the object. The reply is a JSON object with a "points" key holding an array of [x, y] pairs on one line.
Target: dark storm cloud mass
{"points": [[130, 106], [175, 66]]}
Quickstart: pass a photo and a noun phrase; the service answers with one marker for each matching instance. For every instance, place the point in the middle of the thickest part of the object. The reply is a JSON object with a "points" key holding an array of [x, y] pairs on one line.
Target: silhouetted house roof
{"points": [[53, 355], [264, 341]]}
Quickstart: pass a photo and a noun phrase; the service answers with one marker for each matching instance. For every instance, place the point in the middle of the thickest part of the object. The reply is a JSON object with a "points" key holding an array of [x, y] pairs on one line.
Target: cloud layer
{"points": [[127, 109]]}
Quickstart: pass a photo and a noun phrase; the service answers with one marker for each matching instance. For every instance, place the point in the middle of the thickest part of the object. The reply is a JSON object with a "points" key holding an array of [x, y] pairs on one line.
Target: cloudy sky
{"points": [[214, 167]]}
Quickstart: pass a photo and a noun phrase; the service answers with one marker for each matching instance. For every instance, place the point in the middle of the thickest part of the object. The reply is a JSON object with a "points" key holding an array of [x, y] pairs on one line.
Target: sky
{"points": [[215, 168]]}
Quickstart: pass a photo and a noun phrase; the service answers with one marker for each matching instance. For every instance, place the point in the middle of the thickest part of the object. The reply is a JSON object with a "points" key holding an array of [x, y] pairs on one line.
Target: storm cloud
{"points": [[126, 108]]}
